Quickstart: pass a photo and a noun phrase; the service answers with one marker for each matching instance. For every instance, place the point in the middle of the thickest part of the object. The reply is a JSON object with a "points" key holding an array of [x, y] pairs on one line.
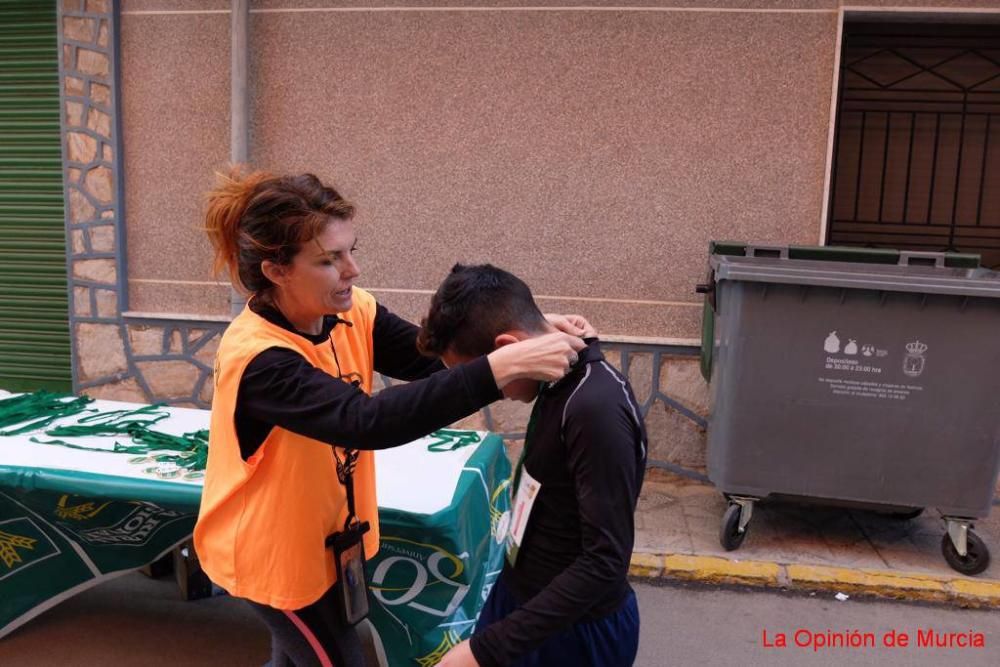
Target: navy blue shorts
{"points": [[609, 641]]}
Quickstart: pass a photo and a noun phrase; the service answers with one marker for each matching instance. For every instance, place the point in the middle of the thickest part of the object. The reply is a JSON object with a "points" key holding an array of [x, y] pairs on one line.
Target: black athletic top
{"points": [[586, 446]]}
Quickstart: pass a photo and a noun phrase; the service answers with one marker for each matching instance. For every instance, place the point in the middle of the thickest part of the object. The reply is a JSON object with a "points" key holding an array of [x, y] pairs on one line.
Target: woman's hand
{"points": [[545, 358], [459, 656], [574, 325]]}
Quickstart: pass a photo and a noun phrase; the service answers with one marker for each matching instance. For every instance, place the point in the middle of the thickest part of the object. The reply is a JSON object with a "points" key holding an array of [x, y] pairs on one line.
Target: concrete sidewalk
{"points": [[804, 547]]}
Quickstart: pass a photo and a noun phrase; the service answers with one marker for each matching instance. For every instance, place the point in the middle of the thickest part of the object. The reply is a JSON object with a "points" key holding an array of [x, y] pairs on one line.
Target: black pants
{"points": [[313, 636]]}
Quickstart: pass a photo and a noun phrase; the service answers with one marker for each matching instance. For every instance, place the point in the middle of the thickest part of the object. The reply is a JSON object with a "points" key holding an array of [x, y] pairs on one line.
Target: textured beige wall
{"points": [[595, 153], [175, 110]]}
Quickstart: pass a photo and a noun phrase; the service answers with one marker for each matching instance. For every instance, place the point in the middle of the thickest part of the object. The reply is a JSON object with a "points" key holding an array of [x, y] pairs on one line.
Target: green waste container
{"points": [[859, 377]]}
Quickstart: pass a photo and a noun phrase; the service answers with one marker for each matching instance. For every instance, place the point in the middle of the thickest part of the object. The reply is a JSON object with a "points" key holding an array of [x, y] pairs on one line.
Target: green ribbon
{"points": [[28, 412], [114, 422], [447, 440]]}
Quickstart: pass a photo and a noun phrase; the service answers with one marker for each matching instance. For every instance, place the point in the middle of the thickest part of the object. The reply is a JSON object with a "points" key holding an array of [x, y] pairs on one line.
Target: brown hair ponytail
{"points": [[261, 217]]}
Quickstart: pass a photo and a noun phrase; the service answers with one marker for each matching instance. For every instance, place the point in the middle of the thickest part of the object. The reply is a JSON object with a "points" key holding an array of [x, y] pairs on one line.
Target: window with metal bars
{"points": [[917, 151]]}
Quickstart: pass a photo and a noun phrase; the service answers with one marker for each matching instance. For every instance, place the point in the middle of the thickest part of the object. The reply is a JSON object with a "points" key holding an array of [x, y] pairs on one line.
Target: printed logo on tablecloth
{"points": [[80, 511], [448, 641], [23, 544], [130, 524], [499, 518], [407, 569]]}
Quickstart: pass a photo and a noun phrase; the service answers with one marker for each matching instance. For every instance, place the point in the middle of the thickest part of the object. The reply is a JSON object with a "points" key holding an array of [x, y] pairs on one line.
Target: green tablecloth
{"points": [[66, 526]]}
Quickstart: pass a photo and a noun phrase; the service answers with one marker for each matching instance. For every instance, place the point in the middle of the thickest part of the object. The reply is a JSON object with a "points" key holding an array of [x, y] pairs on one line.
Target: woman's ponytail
{"points": [[227, 203]]}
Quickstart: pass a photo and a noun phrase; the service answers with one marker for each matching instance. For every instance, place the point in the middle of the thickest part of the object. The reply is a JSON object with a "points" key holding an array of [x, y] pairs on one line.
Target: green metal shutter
{"points": [[34, 326]]}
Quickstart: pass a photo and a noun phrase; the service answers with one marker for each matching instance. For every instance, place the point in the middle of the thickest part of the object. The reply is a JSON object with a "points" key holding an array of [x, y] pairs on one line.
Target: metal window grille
{"points": [[917, 150]]}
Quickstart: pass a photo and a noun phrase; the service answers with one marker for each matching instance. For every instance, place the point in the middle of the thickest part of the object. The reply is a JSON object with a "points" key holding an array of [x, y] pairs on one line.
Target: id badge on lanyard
{"points": [[349, 558], [349, 550]]}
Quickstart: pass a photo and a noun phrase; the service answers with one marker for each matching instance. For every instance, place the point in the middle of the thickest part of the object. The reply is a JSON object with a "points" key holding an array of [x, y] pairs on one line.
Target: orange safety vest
{"points": [[263, 522]]}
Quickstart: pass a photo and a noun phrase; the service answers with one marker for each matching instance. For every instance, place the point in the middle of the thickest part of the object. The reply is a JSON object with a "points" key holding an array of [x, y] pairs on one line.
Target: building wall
{"points": [[594, 150], [593, 153]]}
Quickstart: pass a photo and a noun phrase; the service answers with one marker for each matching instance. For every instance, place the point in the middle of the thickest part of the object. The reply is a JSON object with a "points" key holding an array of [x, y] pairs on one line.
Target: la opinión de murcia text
{"points": [[827, 639]]}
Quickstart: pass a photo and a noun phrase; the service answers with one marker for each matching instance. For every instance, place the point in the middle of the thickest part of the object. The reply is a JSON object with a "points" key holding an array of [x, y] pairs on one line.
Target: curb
{"points": [[954, 590]]}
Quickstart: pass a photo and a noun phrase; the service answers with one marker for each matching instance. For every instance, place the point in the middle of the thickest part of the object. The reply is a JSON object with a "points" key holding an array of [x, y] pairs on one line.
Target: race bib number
{"points": [[527, 491]]}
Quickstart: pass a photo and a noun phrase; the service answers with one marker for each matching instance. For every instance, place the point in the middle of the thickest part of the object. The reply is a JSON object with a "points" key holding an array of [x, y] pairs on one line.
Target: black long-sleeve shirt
{"points": [[587, 449], [280, 388]]}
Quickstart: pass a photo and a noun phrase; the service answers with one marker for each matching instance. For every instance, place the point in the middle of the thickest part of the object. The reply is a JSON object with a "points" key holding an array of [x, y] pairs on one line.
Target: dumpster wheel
{"points": [[731, 536], [976, 558]]}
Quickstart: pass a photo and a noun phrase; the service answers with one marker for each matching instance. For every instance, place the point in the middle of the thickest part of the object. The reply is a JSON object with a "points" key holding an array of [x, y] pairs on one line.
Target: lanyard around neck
{"points": [[536, 408]]}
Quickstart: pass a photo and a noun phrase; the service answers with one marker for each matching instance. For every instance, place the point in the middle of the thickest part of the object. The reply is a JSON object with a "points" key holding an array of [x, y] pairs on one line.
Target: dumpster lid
{"points": [[847, 254], [856, 268]]}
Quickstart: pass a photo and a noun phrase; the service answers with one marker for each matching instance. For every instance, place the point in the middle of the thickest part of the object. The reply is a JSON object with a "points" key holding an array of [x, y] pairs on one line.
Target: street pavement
{"points": [[136, 621], [699, 625]]}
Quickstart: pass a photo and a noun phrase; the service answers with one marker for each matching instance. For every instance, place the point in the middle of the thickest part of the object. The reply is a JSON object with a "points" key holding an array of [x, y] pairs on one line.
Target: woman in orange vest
{"points": [[289, 508]]}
